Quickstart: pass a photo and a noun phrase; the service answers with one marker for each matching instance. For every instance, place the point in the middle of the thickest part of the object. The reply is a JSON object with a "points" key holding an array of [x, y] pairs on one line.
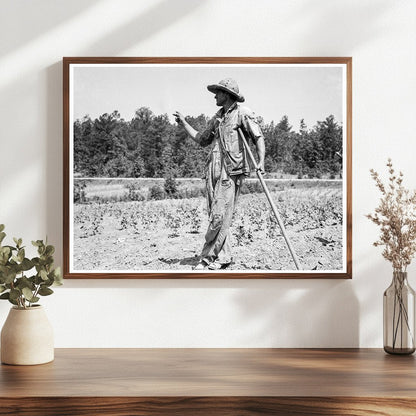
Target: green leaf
{"points": [[45, 291], [45, 261], [58, 276], [27, 293], [8, 277], [37, 243], [21, 255], [56, 273], [26, 264], [1, 227], [48, 260], [49, 250], [24, 282], [43, 274], [13, 302], [2, 288], [18, 242], [7, 297], [2, 236], [55, 277], [12, 267], [48, 282], [5, 250], [38, 280], [4, 255], [15, 294]]}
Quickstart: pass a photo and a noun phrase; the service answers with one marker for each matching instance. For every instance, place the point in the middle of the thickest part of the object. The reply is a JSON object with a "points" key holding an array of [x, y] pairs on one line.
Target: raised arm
{"points": [[180, 119], [203, 138]]}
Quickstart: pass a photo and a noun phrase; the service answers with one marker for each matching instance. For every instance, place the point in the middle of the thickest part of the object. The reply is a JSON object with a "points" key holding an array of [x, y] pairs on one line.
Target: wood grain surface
{"points": [[212, 381]]}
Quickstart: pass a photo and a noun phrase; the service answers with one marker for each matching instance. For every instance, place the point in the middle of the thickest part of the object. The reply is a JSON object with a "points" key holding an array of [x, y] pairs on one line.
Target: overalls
{"points": [[226, 167]]}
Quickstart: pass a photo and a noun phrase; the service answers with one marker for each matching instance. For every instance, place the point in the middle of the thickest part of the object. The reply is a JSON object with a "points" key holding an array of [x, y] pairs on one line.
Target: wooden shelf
{"points": [[212, 382]]}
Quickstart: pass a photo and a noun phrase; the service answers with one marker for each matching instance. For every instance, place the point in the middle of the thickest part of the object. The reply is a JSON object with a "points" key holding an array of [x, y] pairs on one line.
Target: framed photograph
{"points": [[207, 168]]}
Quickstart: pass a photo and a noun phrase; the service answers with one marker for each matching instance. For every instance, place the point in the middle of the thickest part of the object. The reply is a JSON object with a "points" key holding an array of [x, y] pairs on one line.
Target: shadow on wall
{"points": [[4, 311], [44, 16], [349, 24], [283, 313], [54, 174], [301, 313], [40, 16], [158, 17], [163, 14], [375, 277]]}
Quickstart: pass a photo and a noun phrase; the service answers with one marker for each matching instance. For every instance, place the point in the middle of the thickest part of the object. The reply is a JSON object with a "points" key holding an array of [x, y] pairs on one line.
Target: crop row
{"points": [[300, 210]]}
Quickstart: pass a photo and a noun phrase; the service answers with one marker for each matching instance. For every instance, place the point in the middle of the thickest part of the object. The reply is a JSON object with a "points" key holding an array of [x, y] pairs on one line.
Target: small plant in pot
{"points": [[27, 336]]}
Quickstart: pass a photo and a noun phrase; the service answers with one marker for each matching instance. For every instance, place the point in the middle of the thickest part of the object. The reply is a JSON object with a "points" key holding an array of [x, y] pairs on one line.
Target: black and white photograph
{"points": [[218, 168]]}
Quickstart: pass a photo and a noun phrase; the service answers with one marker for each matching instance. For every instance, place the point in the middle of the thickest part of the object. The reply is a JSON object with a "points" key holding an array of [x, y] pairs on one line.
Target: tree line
{"points": [[151, 146]]}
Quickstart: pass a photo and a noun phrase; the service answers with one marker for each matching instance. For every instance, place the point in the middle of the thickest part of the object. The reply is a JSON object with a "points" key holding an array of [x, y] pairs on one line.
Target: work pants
{"points": [[222, 193]]}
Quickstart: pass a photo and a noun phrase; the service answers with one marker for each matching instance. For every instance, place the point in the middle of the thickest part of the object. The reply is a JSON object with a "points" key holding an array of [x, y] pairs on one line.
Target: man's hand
{"points": [[260, 167], [261, 151], [179, 118]]}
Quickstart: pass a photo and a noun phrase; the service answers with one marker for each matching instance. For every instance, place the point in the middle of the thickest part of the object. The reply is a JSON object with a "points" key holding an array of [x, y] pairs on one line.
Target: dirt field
{"points": [[168, 235]]}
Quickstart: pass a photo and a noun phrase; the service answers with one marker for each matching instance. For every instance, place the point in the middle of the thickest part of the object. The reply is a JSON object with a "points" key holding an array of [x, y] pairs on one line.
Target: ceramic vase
{"points": [[27, 337]]}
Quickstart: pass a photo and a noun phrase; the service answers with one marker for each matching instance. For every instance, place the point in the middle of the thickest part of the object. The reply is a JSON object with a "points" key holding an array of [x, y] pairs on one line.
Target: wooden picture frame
{"points": [[130, 209]]}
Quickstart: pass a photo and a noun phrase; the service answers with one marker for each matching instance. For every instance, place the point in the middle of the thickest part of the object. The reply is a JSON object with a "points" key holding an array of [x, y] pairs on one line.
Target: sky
{"points": [[310, 92]]}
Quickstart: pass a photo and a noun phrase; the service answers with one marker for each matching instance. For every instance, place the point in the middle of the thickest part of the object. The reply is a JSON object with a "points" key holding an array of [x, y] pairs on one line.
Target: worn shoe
{"points": [[216, 265], [202, 265]]}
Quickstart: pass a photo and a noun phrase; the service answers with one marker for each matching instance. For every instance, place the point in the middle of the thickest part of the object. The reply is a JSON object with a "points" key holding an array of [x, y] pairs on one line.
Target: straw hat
{"points": [[228, 85]]}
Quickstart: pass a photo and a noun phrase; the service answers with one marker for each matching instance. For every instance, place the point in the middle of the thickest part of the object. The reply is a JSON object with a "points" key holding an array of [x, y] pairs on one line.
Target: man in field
{"points": [[226, 167]]}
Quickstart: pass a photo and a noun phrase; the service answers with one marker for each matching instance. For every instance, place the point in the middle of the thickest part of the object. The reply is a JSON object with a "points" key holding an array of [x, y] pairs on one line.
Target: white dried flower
{"points": [[396, 216]]}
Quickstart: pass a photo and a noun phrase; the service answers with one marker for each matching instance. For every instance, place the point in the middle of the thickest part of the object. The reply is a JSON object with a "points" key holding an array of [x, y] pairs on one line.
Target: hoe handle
{"points": [[269, 198]]}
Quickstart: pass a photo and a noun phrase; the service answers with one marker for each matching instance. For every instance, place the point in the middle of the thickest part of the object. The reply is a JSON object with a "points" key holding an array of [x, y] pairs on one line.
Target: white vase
{"points": [[27, 337]]}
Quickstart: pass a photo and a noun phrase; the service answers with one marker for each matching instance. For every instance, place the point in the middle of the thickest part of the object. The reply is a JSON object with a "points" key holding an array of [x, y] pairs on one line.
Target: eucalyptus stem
{"points": [[36, 291], [23, 280]]}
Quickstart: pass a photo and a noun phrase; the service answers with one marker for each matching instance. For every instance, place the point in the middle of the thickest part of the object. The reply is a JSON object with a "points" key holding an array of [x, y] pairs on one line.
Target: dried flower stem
{"points": [[396, 216]]}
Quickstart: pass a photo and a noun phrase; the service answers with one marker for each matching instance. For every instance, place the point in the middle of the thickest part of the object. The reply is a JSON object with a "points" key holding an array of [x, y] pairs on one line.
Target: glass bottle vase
{"points": [[399, 316]]}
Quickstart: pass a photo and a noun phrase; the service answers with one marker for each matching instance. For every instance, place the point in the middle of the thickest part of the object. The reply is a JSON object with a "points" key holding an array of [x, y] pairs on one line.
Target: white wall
{"points": [[380, 35]]}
